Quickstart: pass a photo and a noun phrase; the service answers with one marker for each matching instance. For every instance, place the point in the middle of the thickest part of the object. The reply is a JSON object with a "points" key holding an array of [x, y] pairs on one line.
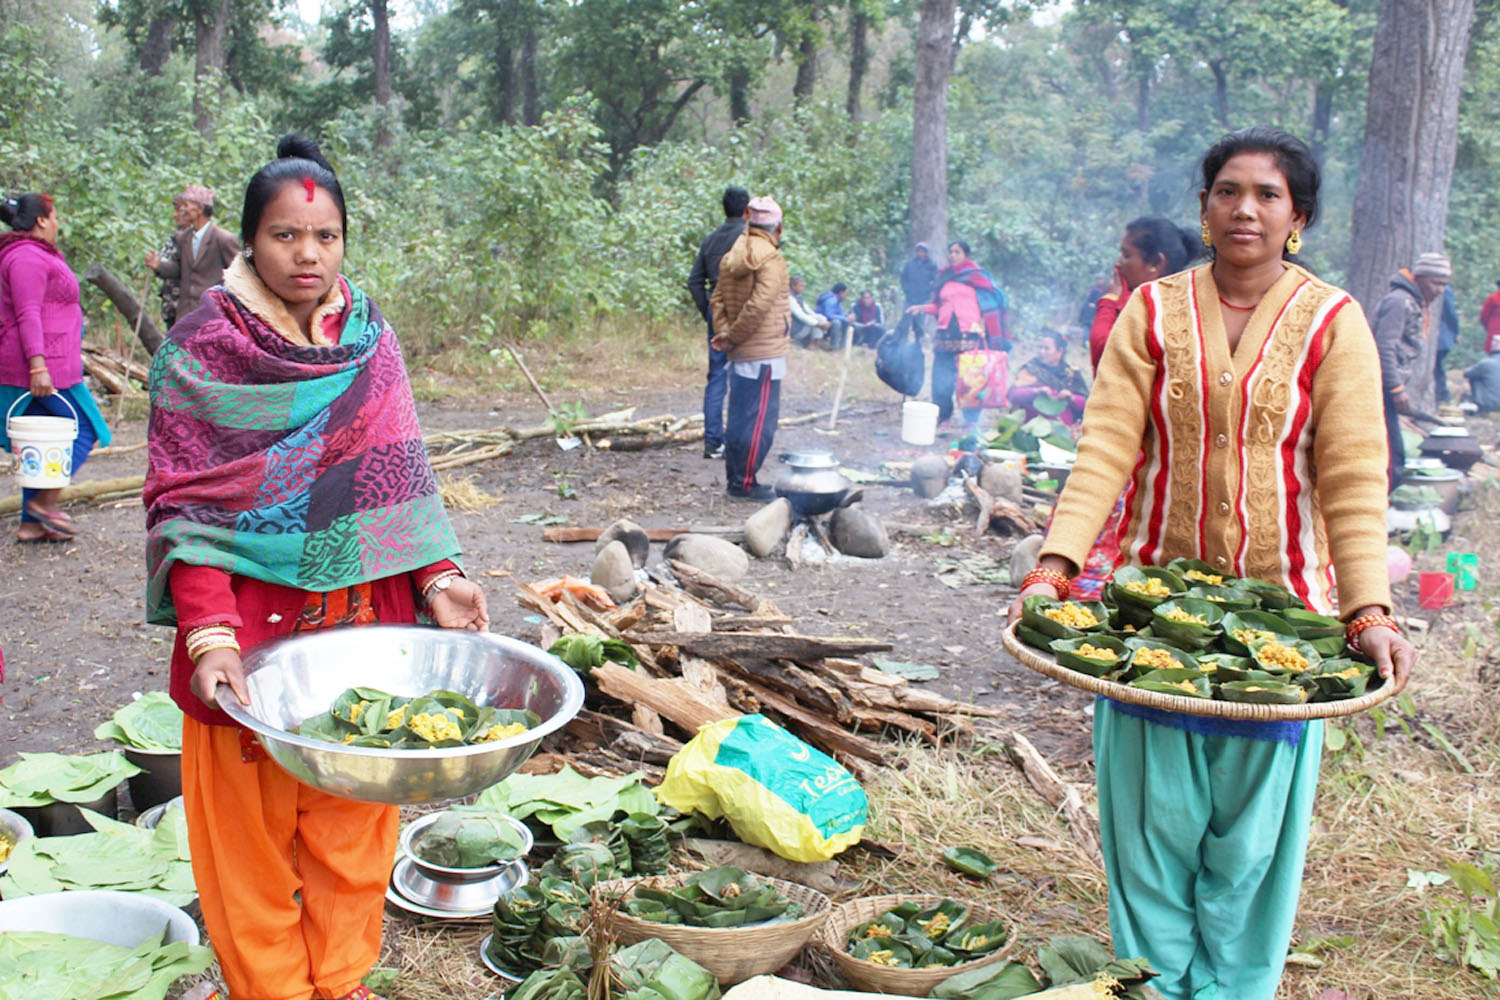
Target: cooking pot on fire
{"points": [[812, 482]]}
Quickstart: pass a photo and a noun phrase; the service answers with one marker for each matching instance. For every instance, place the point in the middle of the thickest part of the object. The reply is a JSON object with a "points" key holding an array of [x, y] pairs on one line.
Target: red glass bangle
{"points": [[1052, 578], [1358, 626]]}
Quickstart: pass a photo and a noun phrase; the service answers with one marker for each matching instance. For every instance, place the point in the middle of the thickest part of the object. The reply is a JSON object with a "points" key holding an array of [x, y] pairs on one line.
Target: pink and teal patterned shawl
{"points": [[300, 466]]}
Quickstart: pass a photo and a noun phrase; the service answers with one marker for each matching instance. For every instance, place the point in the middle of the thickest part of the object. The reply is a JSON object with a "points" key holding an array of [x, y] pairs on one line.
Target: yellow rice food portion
{"points": [[1185, 685], [1347, 675], [435, 727], [1155, 659], [1072, 615], [1274, 654], [393, 718], [1091, 652], [356, 711], [936, 927], [1212, 579], [877, 931], [501, 732], [882, 958], [1249, 635], [1185, 617], [5, 848], [1149, 587]]}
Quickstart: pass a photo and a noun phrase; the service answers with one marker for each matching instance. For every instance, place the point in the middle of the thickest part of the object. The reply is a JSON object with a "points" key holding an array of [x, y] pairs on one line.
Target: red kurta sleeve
{"points": [[1105, 314]]}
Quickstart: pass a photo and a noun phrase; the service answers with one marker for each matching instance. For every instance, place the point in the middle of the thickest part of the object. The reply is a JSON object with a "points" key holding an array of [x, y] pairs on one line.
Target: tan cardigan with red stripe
{"points": [[1269, 463]]}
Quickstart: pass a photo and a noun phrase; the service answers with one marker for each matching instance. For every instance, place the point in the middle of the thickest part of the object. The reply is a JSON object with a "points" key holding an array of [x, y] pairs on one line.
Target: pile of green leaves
{"points": [[550, 984], [653, 970], [116, 856], [539, 922], [469, 837], [719, 897], [151, 722], [910, 936], [556, 805], [44, 966], [369, 717], [585, 652], [1067, 960], [40, 779], [1468, 932]]}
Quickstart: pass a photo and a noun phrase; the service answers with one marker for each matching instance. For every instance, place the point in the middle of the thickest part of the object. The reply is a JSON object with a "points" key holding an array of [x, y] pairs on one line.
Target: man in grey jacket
{"points": [[1405, 327]]}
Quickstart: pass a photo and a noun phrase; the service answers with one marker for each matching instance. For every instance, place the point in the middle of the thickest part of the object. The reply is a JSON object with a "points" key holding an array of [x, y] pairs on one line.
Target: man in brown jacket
{"points": [[752, 325], [203, 249]]}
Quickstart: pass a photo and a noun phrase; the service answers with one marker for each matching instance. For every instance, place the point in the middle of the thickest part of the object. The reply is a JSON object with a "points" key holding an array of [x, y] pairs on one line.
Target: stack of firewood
{"points": [[710, 650], [115, 375]]}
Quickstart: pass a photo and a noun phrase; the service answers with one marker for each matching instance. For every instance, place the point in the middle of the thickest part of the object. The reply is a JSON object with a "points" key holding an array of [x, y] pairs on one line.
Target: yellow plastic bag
{"points": [[776, 791]]}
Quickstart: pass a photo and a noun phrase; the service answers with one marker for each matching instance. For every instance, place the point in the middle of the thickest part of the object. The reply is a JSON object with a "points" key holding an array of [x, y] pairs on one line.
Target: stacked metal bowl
{"points": [[429, 890]]}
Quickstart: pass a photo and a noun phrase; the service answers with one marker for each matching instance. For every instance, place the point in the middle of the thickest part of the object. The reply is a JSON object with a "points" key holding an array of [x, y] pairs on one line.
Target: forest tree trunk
{"points": [[739, 93], [1411, 139], [211, 25], [929, 153], [531, 96], [807, 67], [505, 66], [381, 16], [157, 48], [859, 60]]}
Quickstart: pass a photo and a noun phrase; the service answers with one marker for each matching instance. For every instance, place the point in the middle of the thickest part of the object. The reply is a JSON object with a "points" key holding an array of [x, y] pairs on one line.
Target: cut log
{"points": [[986, 504], [822, 875], [83, 491], [147, 331], [711, 588], [1061, 795], [569, 533], [762, 645], [674, 699]]}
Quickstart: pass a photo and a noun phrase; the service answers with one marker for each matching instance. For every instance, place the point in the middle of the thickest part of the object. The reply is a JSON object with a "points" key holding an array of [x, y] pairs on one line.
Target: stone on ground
{"points": [[767, 528], [1001, 481], [856, 533], [929, 474], [614, 571], [1023, 558], [634, 537], [714, 556]]}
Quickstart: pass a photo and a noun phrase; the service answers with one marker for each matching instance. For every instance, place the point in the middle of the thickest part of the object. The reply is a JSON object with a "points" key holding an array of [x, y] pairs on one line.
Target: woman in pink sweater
{"points": [[41, 348]]}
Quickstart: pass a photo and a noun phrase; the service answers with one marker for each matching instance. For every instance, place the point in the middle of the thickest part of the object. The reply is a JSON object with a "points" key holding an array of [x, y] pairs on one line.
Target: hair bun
{"points": [[8, 210], [295, 144]]}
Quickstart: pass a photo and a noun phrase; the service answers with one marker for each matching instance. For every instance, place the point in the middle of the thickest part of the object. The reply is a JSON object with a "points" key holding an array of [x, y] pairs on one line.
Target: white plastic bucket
{"points": [[43, 447], [919, 422]]}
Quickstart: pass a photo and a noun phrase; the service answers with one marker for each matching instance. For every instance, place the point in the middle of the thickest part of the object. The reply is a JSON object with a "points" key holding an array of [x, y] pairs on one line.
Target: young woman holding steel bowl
{"points": [[1240, 401], [288, 491]]}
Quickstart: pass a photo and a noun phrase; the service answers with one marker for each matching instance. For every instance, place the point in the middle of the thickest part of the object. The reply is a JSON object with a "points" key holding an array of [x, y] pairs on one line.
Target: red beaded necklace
{"points": [[1230, 305]]}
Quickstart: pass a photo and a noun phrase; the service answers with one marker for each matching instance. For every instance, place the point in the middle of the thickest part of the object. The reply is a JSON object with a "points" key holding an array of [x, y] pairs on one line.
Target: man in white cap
{"points": [[204, 250], [751, 323], [1405, 327]]}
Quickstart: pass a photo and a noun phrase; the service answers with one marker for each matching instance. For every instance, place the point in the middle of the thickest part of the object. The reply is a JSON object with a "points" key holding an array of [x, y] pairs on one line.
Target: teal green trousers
{"points": [[1204, 833]]}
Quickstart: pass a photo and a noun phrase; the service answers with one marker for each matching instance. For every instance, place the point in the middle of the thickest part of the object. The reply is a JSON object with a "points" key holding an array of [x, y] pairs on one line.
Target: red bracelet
{"points": [[1057, 581], [1357, 627]]}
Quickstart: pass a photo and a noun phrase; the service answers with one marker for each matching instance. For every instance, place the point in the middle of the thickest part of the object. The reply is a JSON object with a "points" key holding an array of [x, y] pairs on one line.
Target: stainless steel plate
{"points": [[456, 899], [413, 834]]}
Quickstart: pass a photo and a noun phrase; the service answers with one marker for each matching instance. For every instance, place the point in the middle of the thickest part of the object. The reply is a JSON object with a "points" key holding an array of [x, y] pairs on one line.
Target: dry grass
{"points": [[460, 493]]}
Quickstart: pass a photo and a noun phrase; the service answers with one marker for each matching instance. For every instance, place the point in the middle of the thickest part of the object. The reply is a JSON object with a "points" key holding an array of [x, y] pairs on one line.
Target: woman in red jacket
{"points": [[1151, 248], [288, 490]]}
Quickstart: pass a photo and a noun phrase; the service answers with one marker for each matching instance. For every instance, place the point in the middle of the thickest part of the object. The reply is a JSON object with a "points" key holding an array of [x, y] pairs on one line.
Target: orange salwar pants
{"points": [[291, 880]]}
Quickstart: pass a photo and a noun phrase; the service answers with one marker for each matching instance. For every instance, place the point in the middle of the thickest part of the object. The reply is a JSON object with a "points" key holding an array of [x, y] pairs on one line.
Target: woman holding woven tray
{"points": [[1240, 403], [288, 490]]}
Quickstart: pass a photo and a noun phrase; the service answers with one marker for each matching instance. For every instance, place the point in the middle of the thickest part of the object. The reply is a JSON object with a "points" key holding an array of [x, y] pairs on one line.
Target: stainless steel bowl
{"points": [[14, 829], [413, 834], [458, 899], [151, 818], [300, 676], [119, 918]]}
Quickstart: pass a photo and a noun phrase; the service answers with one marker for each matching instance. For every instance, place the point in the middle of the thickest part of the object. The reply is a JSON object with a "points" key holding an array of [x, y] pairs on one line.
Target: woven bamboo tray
{"points": [[885, 978], [1045, 663], [732, 954]]}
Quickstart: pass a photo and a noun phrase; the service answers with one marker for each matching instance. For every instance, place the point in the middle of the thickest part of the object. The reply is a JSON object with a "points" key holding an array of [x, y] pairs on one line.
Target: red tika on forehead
{"points": [[307, 182]]}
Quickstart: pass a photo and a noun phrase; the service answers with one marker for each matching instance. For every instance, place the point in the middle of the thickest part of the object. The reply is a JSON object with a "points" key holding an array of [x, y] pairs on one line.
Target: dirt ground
{"points": [[72, 620]]}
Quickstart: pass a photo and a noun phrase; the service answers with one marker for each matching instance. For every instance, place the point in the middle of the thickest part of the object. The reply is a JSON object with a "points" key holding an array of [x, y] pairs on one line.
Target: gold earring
{"points": [[1294, 242], [1207, 240]]}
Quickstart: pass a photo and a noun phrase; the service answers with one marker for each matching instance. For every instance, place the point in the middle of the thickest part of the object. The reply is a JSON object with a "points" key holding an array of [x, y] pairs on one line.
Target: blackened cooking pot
{"points": [[812, 483]]}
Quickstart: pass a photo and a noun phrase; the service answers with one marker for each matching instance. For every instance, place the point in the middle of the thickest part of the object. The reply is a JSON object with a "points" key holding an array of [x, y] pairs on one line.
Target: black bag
{"points": [[899, 361]]}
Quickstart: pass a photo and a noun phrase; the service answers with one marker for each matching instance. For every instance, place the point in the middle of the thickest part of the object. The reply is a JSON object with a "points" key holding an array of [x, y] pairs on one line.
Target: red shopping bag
{"points": [[982, 378]]}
